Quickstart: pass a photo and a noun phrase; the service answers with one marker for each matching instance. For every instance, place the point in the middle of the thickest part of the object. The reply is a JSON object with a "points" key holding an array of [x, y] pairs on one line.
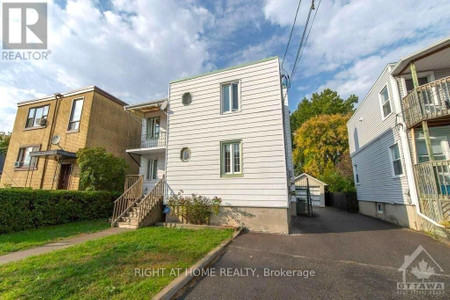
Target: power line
{"points": [[290, 34], [302, 40], [310, 27]]}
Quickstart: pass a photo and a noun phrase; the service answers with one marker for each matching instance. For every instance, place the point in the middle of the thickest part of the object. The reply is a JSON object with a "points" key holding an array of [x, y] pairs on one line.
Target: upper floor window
{"points": [[37, 116], [186, 99], [153, 128], [230, 97], [410, 86], [356, 138], [231, 158], [24, 159], [75, 115], [385, 103], [396, 160]]}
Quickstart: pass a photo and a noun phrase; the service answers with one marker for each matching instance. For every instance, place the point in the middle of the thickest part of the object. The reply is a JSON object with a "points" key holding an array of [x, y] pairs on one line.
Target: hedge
{"points": [[22, 209]]}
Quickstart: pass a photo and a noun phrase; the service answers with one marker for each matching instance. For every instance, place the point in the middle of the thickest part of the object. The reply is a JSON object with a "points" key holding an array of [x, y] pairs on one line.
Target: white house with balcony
{"points": [[224, 133], [149, 151], [399, 141]]}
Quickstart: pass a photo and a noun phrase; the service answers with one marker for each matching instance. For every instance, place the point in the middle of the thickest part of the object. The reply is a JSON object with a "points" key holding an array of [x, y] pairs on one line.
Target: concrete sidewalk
{"points": [[62, 244]]}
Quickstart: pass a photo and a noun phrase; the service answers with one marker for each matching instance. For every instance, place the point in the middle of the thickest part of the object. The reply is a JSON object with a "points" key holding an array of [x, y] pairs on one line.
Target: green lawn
{"points": [[15, 241], [105, 268]]}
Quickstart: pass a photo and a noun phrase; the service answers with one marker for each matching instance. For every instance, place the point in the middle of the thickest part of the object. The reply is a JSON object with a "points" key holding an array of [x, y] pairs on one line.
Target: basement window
{"points": [[380, 208]]}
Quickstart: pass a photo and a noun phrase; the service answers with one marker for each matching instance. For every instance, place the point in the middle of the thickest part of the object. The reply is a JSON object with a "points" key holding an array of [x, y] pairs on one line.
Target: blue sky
{"points": [[133, 48]]}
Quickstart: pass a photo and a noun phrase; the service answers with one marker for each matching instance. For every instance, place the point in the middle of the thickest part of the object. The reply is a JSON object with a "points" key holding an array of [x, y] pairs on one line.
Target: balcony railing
{"points": [[428, 101], [433, 185], [149, 141]]}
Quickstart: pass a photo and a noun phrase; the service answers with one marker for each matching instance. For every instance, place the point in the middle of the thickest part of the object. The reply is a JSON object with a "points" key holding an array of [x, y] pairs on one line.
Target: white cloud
{"points": [[132, 51], [353, 40]]}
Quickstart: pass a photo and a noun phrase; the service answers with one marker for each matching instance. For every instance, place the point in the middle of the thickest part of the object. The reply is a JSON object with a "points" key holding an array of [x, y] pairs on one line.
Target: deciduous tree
{"points": [[327, 102], [100, 170]]}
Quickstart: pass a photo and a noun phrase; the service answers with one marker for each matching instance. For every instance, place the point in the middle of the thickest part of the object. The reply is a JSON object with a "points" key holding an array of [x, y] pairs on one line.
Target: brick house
{"points": [[49, 131]]}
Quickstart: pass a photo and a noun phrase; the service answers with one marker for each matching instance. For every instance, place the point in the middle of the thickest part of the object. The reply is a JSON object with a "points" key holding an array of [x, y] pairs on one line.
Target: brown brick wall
{"points": [[103, 123], [110, 128]]}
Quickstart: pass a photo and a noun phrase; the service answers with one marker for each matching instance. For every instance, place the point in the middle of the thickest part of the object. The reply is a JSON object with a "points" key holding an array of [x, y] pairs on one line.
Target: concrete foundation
{"points": [[401, 214], [258, 219]]}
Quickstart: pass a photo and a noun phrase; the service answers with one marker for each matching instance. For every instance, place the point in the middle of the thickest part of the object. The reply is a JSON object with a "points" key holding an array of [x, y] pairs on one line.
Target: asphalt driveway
{"points": [[350, 255]]}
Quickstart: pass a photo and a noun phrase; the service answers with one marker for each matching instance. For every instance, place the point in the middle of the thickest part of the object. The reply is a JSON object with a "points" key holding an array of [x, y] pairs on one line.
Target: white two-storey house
{"points": [[226, 134], [399, 141]]}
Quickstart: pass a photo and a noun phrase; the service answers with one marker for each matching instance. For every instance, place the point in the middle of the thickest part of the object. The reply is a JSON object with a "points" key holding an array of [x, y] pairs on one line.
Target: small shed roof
{"points": [[309, 176]]}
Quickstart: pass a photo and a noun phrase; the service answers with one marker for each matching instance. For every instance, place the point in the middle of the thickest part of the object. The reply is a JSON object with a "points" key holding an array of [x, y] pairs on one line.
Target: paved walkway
{"points": [[353, 256], [14, 256]]}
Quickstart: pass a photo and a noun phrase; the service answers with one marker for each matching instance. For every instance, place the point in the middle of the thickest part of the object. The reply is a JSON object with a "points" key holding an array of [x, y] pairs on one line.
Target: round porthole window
{"points": [[186, 99], [185, 154]]}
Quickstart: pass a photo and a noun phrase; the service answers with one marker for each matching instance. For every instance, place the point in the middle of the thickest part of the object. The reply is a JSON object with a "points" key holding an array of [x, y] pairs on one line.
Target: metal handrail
{"points": [[149, 141]]}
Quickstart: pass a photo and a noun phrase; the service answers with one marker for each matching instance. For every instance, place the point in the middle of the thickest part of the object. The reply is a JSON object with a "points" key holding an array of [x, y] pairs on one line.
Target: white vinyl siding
{"points": [[368, 118], [259, 125], [375, 137], [375, 171]]}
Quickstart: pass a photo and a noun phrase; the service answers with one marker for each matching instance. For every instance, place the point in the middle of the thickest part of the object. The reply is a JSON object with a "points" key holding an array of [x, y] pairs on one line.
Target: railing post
{"points": [[426, 134]]}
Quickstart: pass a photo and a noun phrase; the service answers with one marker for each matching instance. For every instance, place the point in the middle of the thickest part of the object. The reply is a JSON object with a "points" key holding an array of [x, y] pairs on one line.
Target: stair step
{"points": [[126, 225]]}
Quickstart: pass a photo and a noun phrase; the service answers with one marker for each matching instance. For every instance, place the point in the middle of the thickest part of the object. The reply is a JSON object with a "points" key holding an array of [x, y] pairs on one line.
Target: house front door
{"points": [[64, 176]]}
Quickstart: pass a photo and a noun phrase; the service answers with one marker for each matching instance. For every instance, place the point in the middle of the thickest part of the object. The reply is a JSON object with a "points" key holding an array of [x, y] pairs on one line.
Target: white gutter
{"points": [[407, 154]]}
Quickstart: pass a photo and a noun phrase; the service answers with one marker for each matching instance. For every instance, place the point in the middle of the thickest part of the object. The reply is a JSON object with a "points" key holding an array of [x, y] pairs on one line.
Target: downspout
{"points": [[407, 154], [58, 97]]}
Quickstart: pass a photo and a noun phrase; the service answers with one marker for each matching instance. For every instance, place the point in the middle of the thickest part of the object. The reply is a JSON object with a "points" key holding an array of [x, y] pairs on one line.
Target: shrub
{"points": [[100, 170], [195, 209], [337, 179], [22, 209]]}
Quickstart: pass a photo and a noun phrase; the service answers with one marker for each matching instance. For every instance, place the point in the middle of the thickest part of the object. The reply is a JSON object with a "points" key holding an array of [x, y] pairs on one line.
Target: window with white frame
{"points": [[24, 159], [231, 158], [230, 97], [396, 160], [153, 128], [385, 103], [75, 115], [152, 169], [37, 116], [355, 171]]}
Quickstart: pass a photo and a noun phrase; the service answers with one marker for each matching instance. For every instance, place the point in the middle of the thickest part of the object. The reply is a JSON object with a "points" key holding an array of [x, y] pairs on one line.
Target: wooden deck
{"points": [[428, 102]]}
